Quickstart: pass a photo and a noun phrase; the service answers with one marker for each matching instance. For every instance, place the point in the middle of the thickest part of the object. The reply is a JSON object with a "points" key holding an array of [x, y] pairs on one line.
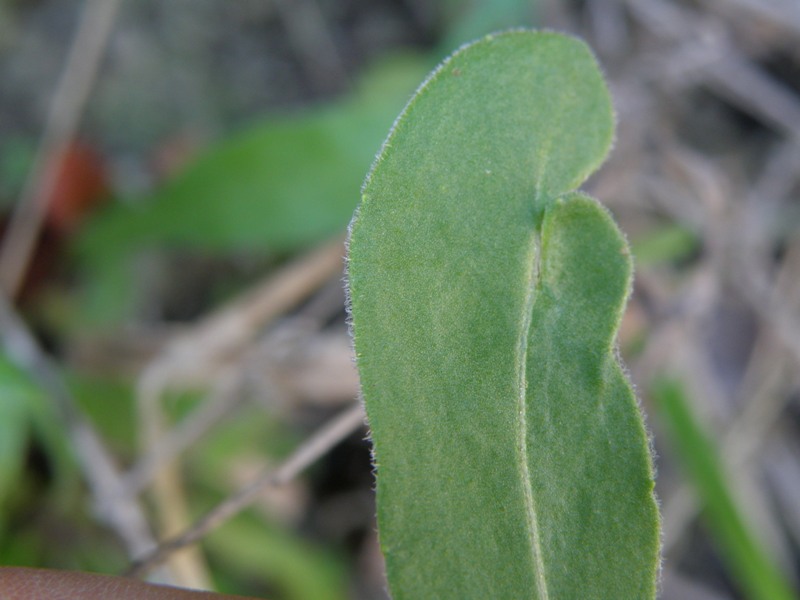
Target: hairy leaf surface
{"points": [[512, 459]]}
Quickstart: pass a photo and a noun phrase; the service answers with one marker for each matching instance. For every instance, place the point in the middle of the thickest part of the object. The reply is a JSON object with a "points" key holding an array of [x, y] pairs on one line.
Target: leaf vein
{"points": [[522, 437]]}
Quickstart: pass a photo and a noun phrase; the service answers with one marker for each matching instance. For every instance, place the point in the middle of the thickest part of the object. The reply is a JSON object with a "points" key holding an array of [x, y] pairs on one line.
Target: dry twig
{"points": [[202, 354], [311, 450], [83, 60], [119, 510]]}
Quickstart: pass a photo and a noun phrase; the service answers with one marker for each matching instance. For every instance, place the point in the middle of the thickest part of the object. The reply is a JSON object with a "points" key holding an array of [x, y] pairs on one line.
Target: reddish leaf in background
{"points": [[80, 185]]}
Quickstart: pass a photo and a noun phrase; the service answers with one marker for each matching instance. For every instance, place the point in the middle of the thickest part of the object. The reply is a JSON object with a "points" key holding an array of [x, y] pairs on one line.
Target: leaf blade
{"points": [[444, 276], [583, 285]]}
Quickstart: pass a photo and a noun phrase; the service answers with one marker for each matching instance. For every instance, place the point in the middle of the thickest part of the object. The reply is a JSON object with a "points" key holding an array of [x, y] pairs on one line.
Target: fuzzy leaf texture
{"points": [[512, 459]]}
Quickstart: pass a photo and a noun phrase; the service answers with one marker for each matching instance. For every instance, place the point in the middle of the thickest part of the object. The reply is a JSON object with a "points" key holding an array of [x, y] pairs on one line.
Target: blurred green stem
{"points": [[746, 560]]}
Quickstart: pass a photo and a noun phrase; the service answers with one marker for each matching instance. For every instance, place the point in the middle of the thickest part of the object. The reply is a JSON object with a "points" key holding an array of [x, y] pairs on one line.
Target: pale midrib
{"points": [[522, 437]]}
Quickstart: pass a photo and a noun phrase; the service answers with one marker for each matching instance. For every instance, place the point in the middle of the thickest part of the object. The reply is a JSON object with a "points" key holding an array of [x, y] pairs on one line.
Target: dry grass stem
{"points": [[202, 354], [77, 78], [311, 450], [121, 512]]}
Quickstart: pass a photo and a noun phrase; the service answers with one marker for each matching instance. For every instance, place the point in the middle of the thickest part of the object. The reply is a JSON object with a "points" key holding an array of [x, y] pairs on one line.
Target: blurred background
{"points": [[175, 183]]}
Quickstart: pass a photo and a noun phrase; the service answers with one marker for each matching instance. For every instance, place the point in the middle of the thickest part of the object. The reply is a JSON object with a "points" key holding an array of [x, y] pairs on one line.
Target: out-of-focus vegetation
{"points": [[749, 563], [281, 185], [233, 137]]}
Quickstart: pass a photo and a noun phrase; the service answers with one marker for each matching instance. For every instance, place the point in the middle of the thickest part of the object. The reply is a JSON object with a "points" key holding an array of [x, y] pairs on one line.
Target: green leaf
{"points": [[479, 17], [512, 460], [666, 244], [16, 394], [300, 570], [28, 419], [747, 561], [281, 184], [110, 405]]}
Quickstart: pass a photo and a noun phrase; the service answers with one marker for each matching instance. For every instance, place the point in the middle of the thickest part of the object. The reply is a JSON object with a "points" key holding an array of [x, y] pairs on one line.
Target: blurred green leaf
{"points": [[475, 18], [250, 431], [25, 548], [29, 422], [109, 404], [280, 185], [17, 395], [251, 548], [747, 561], [667, 244], [258, 551], [26, 411], [16, 158]]}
